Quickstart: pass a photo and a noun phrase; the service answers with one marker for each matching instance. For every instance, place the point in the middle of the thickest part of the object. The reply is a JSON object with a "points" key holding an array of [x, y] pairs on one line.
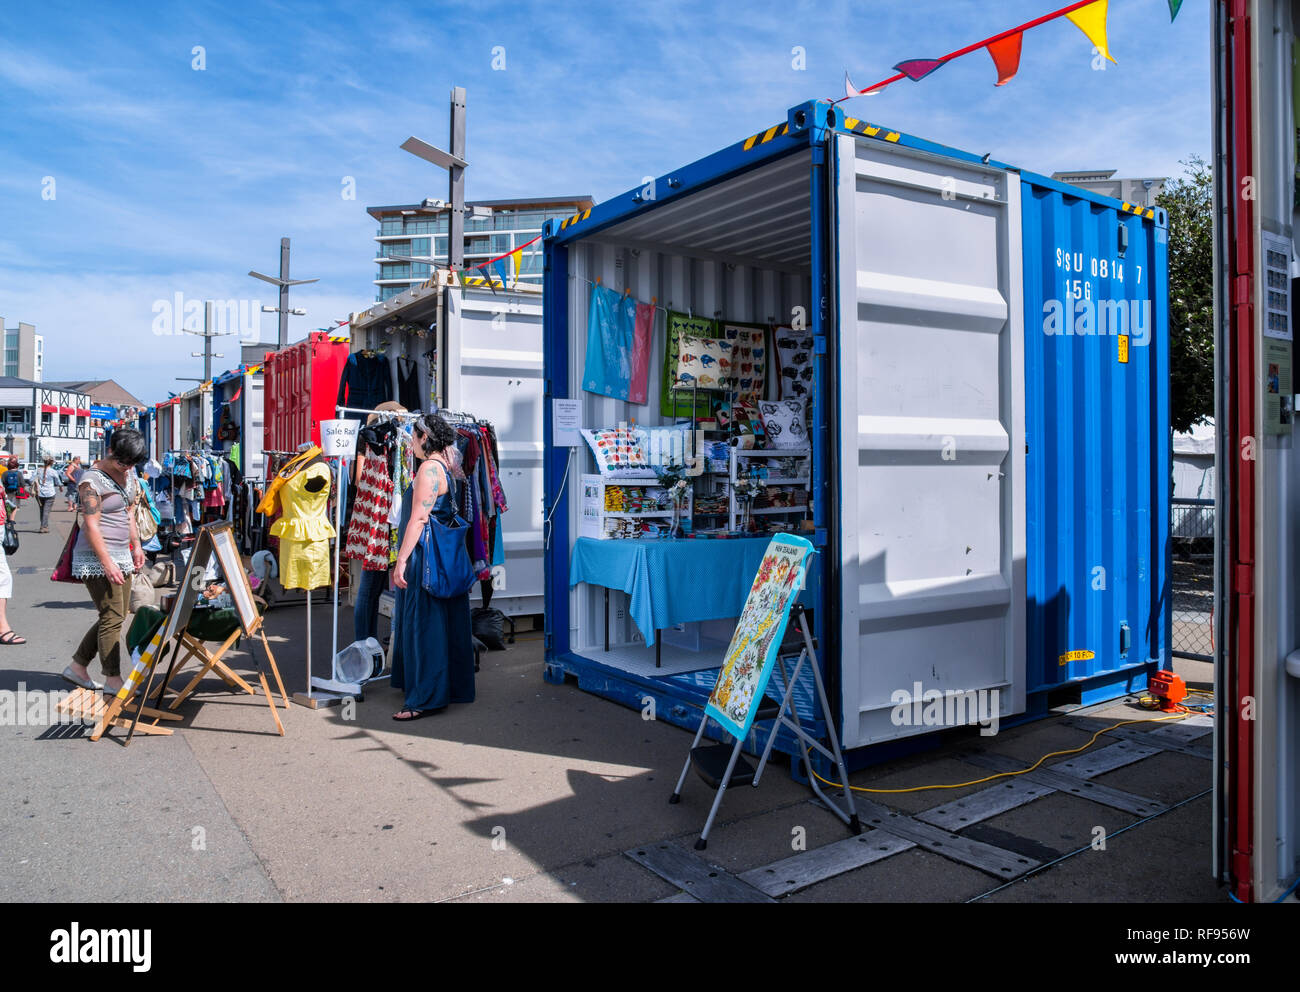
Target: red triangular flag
{"points": [[1006, 56], [915, 69]]}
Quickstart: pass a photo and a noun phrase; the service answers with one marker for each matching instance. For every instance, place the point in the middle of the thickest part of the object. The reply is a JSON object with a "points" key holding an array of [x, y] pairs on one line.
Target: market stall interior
{"points": [[693, 372]]}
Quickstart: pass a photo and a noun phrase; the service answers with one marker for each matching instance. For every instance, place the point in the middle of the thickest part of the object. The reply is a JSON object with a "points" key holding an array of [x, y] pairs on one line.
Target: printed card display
{"points": [[674, 402], [703, 363], [748, 361], [748, 663], [785, 423], [794, 358]]}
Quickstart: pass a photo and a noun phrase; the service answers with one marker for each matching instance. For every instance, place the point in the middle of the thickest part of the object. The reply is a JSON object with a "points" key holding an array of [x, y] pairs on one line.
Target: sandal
{"points": [[413, 715], [11, 637]]}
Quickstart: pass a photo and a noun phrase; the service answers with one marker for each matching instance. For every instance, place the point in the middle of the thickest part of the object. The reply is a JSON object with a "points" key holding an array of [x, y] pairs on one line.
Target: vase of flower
{"points": [[675, 530], [747, 490], [676, 492]]}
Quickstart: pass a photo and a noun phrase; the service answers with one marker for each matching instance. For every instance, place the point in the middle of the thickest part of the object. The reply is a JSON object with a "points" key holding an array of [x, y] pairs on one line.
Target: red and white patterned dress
{"points": [[368, 531]]}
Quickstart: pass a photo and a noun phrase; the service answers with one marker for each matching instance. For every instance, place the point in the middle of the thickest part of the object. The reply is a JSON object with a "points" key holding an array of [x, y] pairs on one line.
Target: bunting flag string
{"points": [[1006, 56], [1089, 16], [499, 266]]}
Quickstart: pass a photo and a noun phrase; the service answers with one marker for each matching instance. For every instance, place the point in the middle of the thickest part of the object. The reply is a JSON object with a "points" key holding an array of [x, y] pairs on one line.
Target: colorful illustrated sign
{"points": [[753, 650]]}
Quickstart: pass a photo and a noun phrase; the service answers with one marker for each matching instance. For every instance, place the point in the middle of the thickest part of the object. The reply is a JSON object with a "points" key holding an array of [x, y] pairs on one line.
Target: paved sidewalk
{"points": [[535, 792]]}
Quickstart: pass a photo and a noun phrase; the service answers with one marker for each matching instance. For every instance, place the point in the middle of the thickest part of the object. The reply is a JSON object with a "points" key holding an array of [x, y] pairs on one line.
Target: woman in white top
{"points": [[47, 487]]}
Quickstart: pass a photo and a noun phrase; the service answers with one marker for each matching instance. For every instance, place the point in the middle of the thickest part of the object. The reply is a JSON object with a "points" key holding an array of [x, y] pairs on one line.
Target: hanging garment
{"points": [[368, 533], [408, 383], [610, 323], [642, 341], [271, 500], [366, 383], [304, 530]]}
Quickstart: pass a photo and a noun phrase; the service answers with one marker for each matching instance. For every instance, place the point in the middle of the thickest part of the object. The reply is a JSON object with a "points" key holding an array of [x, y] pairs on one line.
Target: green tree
{"points": [[1189, 201]]}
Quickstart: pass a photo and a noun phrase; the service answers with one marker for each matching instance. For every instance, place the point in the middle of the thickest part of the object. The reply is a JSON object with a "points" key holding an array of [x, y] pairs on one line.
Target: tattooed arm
{"points": [[91, 505], [430, 482]]}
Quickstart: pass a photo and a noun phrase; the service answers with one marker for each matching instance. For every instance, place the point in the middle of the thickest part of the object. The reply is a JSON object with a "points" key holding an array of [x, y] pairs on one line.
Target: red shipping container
{"points": [[301, 389]]}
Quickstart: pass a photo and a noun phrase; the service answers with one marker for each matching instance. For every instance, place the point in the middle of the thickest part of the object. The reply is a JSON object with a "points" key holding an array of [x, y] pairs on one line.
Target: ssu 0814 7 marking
{"points": [[1093, 265]]}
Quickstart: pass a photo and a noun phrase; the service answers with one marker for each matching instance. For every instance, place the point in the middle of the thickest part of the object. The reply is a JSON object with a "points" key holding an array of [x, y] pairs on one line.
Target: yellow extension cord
{"points": [[990, 778]]}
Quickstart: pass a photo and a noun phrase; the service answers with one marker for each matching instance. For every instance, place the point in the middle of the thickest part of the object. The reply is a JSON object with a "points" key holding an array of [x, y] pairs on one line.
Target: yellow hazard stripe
{"points": [[870, 130], [1130, 208], [338, 340], [576, 218], [763, 137]]}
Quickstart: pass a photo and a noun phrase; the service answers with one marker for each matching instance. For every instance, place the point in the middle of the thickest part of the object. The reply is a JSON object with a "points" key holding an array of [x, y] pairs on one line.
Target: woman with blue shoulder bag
{"points": [[433, 648]]}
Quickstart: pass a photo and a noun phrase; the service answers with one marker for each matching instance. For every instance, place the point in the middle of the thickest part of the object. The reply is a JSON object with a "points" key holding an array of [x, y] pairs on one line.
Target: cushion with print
{"points": [[785, 423], [617, 451]]}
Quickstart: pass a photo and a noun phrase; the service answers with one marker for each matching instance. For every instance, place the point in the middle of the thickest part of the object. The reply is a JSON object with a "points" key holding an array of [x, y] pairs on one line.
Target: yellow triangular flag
{"points": [[517, 258], [1091, 20]]}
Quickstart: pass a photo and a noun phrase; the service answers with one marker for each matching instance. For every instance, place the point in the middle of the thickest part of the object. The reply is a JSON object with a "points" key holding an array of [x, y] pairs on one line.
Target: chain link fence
{"points": [[1192, 529]]}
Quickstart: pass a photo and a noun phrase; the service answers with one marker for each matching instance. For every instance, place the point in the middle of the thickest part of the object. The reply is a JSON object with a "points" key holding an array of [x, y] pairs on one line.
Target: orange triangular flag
{"points": [[1006, 56], [1091, 20]]}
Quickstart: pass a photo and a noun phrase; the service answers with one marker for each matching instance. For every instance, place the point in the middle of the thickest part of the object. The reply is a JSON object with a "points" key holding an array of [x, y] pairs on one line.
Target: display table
{"points": [[670, 581]]}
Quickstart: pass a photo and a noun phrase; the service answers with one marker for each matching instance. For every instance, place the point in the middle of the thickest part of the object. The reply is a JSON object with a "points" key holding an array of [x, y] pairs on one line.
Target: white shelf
{"points": [[595, 518], [805, 483]]}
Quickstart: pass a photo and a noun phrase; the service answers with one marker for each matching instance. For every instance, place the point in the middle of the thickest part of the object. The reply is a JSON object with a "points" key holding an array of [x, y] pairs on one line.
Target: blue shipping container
{"points": [[988, 410]]}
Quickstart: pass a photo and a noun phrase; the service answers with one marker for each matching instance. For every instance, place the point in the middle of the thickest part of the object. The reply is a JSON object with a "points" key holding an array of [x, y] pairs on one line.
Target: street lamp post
{"points": [[283, 282], [455, 165]]}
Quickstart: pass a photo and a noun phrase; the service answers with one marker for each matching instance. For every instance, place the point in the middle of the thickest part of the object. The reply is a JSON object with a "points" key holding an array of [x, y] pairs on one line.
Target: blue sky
{"points": [[172, 180]]}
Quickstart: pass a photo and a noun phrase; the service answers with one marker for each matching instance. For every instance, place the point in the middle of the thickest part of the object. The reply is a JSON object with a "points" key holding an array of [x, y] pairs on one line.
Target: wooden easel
{"points": [[219, 539]]}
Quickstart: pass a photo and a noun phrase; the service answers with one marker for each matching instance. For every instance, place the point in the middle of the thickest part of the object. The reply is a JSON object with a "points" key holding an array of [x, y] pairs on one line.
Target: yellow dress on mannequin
{"points": [[304, 530]]}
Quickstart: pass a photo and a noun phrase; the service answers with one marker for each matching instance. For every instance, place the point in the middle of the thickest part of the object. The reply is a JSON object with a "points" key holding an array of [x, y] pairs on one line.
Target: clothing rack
{"points": [[391, 414], [458, 418]]}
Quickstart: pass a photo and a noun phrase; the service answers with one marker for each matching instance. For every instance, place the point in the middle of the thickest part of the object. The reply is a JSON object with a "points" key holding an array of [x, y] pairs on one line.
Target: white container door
{"points": [[930, 526], [494, 371], [254, 425]]}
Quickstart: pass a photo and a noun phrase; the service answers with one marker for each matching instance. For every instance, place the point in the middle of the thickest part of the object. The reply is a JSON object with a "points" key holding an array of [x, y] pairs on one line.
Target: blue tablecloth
{"points": [[670, 582]]}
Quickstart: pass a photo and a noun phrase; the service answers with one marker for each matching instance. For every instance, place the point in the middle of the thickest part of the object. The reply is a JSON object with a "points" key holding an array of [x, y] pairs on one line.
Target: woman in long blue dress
{"points": [[433, 649]]}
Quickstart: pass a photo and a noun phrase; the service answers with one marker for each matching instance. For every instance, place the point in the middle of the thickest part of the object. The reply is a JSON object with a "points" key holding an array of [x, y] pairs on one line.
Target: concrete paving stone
{"points": [[540, 888], [559, 775], [1165, 860], [1049, 827], [1197, 674], [612, 878], [761, 839], [1168, 776], [912, 876], [96, 821]]}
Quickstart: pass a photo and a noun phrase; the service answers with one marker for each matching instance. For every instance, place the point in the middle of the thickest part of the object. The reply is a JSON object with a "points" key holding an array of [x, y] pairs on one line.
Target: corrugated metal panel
{"points": [[762, 215], [1097, 433], [930, 508], [302, 385]]}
